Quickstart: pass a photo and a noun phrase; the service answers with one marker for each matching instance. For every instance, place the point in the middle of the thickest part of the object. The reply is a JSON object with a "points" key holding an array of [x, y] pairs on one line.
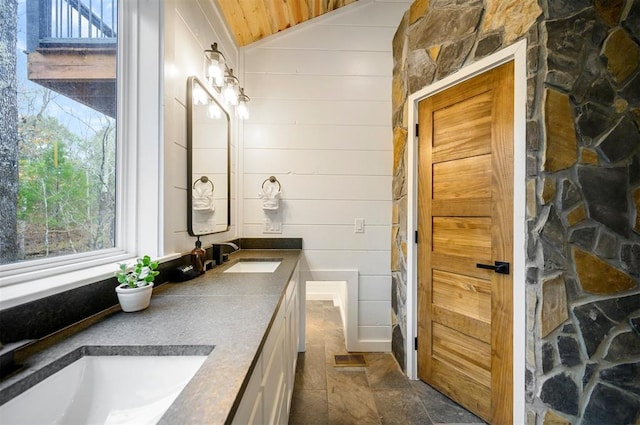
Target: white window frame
{"points": [[138, 175]]}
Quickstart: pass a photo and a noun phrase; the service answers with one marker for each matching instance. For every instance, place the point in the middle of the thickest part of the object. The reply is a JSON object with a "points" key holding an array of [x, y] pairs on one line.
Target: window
{"points": [[137, 173], [59, 128]]}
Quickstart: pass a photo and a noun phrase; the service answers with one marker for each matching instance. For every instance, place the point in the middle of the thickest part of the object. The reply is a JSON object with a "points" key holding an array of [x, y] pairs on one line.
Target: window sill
{"points": [[31, 290]]}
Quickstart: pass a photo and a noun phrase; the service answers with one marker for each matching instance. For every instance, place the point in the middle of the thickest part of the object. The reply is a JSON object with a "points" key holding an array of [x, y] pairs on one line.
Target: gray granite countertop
{"points": [[230, 311]]}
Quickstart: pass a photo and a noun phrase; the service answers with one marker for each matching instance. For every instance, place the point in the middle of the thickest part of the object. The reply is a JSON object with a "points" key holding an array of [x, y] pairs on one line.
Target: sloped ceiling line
{"points": [[253, 20]]}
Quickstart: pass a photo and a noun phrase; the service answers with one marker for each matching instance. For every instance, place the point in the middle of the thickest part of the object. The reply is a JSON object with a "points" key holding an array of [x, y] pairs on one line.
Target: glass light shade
{"points": [[230, 93], [242, 111], [215, 66], [214, 112], [215, 73]]}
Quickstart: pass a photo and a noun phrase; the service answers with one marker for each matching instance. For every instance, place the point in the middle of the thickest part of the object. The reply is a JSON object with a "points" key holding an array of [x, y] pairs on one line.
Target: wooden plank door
{"points": [[465, 221]]}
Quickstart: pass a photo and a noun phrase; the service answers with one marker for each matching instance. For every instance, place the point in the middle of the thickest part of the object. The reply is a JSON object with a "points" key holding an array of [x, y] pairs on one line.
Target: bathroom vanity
{"points": [[253, 320]]}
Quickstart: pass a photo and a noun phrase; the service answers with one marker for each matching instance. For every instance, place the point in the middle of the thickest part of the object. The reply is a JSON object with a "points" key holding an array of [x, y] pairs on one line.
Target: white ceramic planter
{"points": [[134, 299]]}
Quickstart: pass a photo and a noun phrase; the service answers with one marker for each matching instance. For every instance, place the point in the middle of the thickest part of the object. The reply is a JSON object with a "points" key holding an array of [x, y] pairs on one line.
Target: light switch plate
{"points": [[272, 226], [359, 225]]}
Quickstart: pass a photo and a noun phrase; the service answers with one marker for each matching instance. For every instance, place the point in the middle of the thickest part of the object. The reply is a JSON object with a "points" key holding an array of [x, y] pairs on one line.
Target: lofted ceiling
{"points": [[252, 20]]}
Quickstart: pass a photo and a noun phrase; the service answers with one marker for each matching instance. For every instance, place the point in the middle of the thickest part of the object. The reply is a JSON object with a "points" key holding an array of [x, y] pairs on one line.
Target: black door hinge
{"points": [[415, 237], [415, 343], [417, 130]]}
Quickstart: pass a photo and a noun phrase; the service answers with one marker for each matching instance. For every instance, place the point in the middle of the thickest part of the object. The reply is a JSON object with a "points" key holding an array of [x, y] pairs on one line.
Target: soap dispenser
{"points": [[198, 257]]}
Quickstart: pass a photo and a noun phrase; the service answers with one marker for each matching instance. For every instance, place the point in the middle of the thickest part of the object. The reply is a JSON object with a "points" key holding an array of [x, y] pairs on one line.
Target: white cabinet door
{"points": [[251, 408], [273, 380], [291, 320], [267, 398]]}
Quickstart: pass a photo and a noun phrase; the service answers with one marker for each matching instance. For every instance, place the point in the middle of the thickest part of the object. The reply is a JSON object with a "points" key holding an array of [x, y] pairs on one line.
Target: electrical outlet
{"points": [[359, 225]]}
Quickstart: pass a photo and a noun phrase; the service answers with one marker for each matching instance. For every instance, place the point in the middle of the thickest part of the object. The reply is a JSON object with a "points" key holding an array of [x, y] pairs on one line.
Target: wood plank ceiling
{"points": [[252, 20]]}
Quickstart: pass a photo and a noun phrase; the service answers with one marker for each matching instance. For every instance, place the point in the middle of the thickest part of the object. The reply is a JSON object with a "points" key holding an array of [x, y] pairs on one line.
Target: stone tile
{"points": [[346, 379], [441, 409], [417, 10], [515, 17], [561, 393], [624, 347], [622, 55], [332, 318], [334, 344], [350, 398], [554, 305], [315, 326], [378, 394], [313, 315], [605, 193], [598, 277], [400, 407], [561, 145], [314, 333], [594, 326], [443, 24], [383, 371], [310, 371], [399, 143], [315, 309], [552, 418], [624, 376], [610, 405], [619, 144], [309, 407]]}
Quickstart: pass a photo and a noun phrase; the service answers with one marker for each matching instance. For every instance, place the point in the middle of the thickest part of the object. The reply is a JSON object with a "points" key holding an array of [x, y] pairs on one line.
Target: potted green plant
{"points": [[135, 284]]}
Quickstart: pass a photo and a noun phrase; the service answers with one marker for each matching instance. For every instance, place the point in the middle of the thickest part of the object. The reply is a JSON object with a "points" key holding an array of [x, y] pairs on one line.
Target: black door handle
{"points": [[500, 267]]}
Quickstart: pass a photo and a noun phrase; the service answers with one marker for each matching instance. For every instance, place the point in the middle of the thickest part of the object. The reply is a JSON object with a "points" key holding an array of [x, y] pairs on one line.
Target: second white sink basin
{"points": [[251, 265]]}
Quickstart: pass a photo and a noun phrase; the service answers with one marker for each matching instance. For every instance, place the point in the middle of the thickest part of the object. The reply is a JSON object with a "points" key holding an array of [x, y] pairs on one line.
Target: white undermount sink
{"points": [[254, 265], [104, 390]]}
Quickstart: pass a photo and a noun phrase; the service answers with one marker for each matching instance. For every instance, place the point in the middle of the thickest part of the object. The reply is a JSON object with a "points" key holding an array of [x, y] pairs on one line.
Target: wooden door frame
{"points": [[516, 53]]}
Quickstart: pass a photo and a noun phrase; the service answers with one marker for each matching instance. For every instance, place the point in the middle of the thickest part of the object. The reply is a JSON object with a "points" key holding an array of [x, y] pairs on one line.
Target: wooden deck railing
{"points": [[71, 23]]}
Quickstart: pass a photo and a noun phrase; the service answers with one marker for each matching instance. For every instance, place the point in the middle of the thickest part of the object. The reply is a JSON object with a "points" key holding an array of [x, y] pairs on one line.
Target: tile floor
{"points": [[377, 394]]}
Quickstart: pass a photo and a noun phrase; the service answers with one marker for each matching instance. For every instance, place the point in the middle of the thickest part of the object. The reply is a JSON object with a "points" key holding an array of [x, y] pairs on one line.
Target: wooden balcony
{"points": [[71, 47], [85, 74]]}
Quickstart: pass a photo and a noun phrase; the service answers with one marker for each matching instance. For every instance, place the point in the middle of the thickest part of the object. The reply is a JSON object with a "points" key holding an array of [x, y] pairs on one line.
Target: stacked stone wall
{"points": [[583, 187]]}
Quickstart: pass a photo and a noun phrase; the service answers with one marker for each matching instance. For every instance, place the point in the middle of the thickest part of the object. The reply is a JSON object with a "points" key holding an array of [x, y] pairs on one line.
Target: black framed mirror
{"points": [[208, 162]]}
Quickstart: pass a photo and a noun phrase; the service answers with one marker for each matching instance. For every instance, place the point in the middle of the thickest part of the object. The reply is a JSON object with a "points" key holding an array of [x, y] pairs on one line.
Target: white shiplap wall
{"points": [[190, 27], [321, 123]]}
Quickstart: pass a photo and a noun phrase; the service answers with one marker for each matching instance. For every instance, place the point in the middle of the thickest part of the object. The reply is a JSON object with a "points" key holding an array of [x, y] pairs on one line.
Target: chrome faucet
{"points": [[232, 245], [219, 251]]}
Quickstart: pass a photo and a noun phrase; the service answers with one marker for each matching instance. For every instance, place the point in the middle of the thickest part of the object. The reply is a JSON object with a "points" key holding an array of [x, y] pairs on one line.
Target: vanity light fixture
{"points": [[231, 89], [216, 66], [242, 110], [221, 77]]}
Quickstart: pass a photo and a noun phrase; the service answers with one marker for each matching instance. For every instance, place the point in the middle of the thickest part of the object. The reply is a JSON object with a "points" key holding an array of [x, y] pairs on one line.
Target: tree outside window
{"points": [[57, 128]]}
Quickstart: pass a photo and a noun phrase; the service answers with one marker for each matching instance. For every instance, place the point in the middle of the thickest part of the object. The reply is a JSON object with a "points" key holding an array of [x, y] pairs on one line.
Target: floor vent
{"points": [[349, 360]]}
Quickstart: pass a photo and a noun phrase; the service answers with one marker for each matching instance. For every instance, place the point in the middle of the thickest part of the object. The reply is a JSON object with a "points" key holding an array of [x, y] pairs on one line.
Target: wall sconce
{"points": [[221, 77], [231, 89], [242, 110], [215, 66]]}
